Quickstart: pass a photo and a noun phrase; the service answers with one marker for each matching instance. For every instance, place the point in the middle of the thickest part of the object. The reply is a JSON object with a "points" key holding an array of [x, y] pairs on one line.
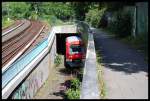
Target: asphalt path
{"points": [[125, 71]]}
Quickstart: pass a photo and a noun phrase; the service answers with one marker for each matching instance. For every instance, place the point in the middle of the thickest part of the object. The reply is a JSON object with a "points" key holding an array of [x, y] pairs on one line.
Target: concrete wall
{"points": [[88, 91], [142, 17], [132, 11], [52, 53], [37, 77], [139, 14]]}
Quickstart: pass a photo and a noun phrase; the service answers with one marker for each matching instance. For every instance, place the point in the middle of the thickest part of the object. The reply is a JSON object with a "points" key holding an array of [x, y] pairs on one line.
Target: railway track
{"points": [[18, 22], [11, 47]]}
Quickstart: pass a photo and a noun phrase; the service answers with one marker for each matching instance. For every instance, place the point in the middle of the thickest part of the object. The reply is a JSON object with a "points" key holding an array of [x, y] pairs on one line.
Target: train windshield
{"points": [[74, 49]]}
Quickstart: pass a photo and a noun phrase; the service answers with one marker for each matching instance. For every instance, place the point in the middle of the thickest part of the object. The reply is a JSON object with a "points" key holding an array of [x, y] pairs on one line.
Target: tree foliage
{"points": [[93, 17], [80, 9], [35, 10], [122, 24], [53, 12]]}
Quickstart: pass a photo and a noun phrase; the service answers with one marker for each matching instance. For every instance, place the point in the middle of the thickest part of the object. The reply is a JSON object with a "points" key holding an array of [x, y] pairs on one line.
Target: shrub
{"points": [[57, 60], [6, 22], [74, 91], [122, 24], [73, 94], [75, 83], [93, 17], [33, 16]]}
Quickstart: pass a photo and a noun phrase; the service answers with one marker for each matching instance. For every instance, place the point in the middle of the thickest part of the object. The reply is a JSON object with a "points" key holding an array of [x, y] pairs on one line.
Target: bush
{"points": [[6, 22], [93, 17], [33, 16], [73, 94], [17, 10], [74, 91], [75, 83], [52, 19], [122, 24], [57, 60]]}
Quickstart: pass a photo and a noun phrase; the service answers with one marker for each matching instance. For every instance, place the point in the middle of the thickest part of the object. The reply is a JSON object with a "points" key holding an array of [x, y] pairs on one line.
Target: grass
{"points": [[73, 91], [58, 60], [46, 22], [68, 23], [6, 23], [100, 75]]}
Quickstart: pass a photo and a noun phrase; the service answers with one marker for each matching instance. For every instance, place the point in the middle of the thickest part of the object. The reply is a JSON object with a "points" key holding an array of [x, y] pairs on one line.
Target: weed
{"points": [[74, 91], [58, 60], [75, 83], [6, 23], [100, 75], [73, 94]]}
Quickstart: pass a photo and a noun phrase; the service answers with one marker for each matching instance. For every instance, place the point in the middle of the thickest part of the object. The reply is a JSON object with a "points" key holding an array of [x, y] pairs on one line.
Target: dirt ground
{"points": [[55, 85]]}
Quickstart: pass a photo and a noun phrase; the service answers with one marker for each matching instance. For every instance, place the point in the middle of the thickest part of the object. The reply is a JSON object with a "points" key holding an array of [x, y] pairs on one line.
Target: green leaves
{"points": [[122, 24], [93, 17], [58, 60], [17, 10], [75, 83], [74, 91], [73, 94], [6, 22]]}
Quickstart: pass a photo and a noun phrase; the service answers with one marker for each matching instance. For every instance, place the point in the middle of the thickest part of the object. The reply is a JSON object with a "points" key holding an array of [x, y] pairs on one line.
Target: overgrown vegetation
{"points": [[94, 16], [58, 60], [53, 12], [100, 75], [73, 94], [6, 22], [83, 28], [122, 25], [74, 91]]}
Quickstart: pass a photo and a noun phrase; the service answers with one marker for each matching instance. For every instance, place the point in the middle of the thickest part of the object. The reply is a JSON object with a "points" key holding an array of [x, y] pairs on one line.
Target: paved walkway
{"points": [[125, 71]]}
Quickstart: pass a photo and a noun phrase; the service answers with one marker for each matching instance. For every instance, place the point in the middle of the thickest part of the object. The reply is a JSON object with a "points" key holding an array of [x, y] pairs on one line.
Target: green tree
{"points": [[80, 8], [18, 11], [94, 16]]}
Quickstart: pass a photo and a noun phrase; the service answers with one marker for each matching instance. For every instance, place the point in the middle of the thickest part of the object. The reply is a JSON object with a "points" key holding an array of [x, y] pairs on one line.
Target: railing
{"points": [[21, 63]]}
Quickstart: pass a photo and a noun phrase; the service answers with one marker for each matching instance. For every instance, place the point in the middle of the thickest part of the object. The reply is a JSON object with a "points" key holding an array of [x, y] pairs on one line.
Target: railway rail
{"points": [[11, 47], [9, 31], [18, 22]]}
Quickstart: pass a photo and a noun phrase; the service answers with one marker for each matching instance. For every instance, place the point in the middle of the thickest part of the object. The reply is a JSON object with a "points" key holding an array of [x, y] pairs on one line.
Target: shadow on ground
{"points": [[63, 87], [118, 56]]}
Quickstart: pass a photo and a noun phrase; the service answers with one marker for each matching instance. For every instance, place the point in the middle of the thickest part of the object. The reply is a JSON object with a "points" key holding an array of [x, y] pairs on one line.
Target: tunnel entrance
{"points": [[60, 41]]}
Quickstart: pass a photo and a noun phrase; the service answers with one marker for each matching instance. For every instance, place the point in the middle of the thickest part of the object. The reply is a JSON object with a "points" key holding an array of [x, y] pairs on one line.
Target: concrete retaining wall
{"points": [[90, 88], [37, 77]]}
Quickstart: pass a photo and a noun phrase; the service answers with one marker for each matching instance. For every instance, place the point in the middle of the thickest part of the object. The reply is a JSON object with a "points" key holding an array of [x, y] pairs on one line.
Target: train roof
{"points": [[73, 38]]}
